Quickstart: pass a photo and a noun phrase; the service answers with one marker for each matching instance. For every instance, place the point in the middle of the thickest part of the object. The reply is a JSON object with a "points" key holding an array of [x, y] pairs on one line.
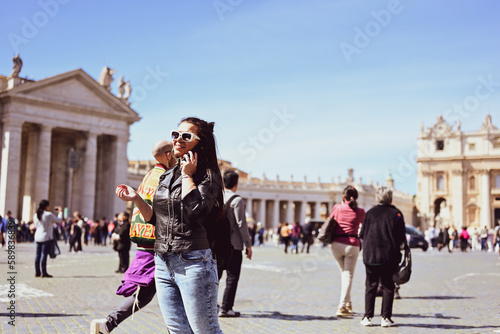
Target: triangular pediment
{"points": [[440, 129], [75, 89]]}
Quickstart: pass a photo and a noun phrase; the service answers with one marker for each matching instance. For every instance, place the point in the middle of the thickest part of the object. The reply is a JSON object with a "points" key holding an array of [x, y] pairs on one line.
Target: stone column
{"points": [[303, 206], [297, 211], [11, 161], [457, 198], [121, 165], [248, 206], [289, 212], [29, 199], [262, 212], [318, 210], [42, 171], [426, 193], [276, 213], [485, 219], [87, 192]]}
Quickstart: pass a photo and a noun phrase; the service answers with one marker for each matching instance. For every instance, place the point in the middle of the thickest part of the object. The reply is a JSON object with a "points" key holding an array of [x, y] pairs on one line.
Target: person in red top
{"points": [[345, 245], [296, 232], [464, 239]]}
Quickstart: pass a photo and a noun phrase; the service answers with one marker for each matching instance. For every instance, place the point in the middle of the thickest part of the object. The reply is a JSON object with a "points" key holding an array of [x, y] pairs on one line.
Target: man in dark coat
{"points": [[383, 233], [121, 241]]}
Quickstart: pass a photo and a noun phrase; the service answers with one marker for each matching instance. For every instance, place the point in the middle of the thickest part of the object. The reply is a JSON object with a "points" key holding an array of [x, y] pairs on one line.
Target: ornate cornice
{"points": [[482, 171], [459, 172]]}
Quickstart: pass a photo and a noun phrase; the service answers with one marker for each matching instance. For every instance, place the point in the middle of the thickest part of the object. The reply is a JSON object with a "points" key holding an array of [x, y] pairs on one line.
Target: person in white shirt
{"points": [[44, 222]]}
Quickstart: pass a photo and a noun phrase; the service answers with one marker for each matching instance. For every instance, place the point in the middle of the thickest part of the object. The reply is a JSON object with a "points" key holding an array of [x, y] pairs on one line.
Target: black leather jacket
{"points": [[181, 225]]}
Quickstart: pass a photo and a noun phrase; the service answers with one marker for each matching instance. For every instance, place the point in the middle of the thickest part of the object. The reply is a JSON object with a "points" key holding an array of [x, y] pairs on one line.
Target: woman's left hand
{"points": [[188, 163]]}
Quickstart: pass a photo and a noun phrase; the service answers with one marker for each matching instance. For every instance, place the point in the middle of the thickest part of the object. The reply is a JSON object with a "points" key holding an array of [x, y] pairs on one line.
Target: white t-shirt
{"points": [[45, 226]]}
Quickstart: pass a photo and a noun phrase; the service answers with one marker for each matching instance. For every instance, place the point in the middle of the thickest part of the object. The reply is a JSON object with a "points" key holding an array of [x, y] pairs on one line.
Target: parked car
{"points": [[416, 238]]}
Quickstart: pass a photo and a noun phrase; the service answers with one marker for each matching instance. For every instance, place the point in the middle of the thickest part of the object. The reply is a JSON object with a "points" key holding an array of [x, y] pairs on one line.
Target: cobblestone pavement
{"points": [[278, 293]]}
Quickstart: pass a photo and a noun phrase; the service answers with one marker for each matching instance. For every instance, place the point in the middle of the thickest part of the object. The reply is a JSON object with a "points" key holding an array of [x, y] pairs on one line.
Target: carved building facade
{"points": [[64, 138], [458, 175]]}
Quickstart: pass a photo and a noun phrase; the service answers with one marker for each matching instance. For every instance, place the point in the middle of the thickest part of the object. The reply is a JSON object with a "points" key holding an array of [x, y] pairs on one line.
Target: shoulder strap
{"points": [[228, 203]]}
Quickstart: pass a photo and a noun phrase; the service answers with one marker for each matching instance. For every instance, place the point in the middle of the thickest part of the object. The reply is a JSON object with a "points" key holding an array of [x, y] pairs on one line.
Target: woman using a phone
{"points": [[187, 202], [44, 221]]}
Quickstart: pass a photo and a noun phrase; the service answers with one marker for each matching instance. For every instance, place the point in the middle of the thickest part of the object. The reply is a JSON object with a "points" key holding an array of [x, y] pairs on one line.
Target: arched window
{"points": [[472, 183], [440, 182], [497, 181]]}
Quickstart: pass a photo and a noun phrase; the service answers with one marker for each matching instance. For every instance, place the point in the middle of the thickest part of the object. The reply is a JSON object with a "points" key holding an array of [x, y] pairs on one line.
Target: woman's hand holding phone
{"points": [[189, 162]]}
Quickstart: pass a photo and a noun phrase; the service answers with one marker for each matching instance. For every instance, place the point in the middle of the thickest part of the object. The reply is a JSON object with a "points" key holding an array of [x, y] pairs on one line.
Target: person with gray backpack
{"points": [[240, 238]]}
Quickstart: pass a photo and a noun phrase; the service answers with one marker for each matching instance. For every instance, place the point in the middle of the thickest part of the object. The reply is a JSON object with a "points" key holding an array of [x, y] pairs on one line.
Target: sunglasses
{"points": [[184, 136]]}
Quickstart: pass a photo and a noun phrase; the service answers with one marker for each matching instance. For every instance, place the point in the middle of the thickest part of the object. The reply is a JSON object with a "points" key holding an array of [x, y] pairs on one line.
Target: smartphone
{"points": [[194, 150]]}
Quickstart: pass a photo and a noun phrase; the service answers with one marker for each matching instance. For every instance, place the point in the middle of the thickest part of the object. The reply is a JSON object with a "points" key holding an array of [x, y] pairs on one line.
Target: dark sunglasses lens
{"points": [[186, 136], [175, 134]]}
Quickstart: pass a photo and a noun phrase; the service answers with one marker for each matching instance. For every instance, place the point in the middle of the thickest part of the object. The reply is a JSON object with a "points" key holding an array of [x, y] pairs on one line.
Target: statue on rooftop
{"points": [[128, 90], [106, 77], [121, 87], [16, 68], [488, 124]]}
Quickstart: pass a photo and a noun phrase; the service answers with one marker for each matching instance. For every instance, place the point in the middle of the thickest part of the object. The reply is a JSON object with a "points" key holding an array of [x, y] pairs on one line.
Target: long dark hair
{"points": [[206, 148], [41, 208], [207, 154], [351, 195]]}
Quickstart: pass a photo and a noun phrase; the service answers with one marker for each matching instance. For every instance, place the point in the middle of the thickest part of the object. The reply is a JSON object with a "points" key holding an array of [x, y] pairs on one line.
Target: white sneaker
{"points": [[228, 314], [98, 326], [386, 322], [366, 321]]}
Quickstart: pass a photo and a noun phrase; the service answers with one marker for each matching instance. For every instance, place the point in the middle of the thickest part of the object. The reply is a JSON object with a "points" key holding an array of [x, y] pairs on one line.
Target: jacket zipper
{"points": [[182, 217], [169, 226]]}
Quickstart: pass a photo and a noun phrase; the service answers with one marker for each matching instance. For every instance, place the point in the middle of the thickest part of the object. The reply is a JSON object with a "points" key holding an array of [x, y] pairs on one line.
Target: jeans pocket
{"points": [[195, 256]]}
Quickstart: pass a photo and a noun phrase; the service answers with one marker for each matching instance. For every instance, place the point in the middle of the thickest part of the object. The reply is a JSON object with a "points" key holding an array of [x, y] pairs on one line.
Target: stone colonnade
{"points": [[74, 169], [64, 139], [270, 212]]}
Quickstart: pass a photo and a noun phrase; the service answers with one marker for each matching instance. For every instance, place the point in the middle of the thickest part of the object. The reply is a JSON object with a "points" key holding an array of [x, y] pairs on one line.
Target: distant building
{"points": [[64, 138], [271, 201], [458, 175]]}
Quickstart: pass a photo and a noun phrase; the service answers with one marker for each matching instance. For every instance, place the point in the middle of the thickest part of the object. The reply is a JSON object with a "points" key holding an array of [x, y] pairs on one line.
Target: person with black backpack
{"points": [[234, 209], [186, 210]]}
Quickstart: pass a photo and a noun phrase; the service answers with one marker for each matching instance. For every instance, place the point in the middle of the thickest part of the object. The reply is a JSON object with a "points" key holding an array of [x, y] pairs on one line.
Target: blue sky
{"points": [[294, 87]]}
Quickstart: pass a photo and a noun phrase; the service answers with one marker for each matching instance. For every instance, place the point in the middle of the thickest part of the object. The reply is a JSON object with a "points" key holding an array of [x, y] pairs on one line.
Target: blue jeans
{"points": [[187, 285], [483, 244], [42, 252]]}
